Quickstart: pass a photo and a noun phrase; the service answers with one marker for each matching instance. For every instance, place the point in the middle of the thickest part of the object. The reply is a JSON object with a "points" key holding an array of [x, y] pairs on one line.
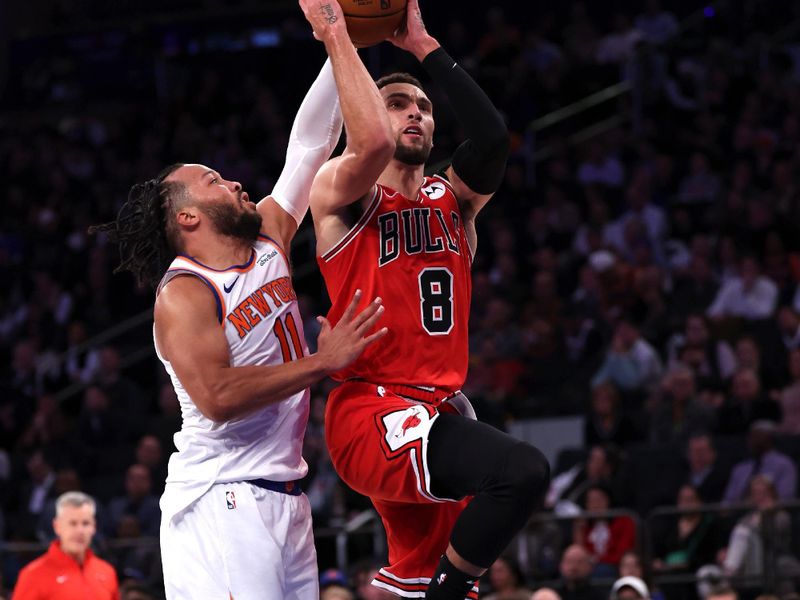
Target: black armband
{"points": [[480, 161]]}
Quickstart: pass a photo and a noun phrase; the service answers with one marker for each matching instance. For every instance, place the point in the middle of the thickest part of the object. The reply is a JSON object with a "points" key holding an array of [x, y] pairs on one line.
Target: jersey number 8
{"points": [[436, 300]]}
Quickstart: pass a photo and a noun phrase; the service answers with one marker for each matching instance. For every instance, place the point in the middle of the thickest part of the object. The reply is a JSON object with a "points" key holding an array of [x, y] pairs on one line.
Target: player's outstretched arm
{"points": [[479, 163], [370, 145], [315, 133], [189, 336]]}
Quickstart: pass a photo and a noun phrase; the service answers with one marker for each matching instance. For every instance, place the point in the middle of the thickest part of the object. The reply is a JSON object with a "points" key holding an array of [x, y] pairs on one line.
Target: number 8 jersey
{"points": [[413, 253]]}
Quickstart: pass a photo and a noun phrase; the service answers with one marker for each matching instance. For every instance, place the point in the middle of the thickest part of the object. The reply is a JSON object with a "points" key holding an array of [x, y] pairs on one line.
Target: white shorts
{"points": [[242, 542]]}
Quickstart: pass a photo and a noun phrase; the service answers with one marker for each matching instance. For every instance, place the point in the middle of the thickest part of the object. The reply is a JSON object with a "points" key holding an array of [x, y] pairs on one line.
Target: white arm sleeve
{"points": [[314, 135]]}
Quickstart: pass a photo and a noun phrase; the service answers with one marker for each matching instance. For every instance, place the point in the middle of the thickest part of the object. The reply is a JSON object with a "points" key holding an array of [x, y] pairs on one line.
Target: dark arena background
{"points": [[635, 313]]}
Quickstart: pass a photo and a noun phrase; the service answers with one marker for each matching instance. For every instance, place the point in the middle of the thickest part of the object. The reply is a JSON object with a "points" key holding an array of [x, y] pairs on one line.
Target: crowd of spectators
{"points": [[648, 278]]}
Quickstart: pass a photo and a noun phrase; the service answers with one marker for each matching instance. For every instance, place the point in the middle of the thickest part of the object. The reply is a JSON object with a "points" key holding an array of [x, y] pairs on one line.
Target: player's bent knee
{"points": [[528, 474]]}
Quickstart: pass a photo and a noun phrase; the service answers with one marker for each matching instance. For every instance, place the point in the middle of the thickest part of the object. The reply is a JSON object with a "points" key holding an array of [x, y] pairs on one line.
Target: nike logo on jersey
{"points": [[61, 579], [228, 288]]}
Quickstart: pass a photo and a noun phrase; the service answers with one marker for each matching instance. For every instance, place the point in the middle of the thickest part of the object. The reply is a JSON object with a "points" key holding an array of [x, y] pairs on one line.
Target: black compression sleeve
{"points": [[481, 160], [506, 478]]}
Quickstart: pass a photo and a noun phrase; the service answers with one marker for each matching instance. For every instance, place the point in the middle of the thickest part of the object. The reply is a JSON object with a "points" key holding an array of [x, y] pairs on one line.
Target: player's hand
{"points": [[412, 35], [341, 345], [326, 18]]}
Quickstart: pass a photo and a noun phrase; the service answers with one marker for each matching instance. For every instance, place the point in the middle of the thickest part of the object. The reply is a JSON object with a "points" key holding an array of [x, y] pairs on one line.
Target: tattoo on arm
{"points": [[327, 12]]}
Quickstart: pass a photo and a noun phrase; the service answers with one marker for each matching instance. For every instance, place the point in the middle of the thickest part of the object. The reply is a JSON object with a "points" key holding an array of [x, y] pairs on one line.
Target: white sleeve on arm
{"points": [[314, 135]]}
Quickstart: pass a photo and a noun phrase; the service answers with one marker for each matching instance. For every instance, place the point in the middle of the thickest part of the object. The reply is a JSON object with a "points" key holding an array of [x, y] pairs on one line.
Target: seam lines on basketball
{"points": [[383, 16]]}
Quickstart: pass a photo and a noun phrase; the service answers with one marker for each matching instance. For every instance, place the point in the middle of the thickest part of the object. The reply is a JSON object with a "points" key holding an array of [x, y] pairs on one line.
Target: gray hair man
{"points": [[69, 569]]}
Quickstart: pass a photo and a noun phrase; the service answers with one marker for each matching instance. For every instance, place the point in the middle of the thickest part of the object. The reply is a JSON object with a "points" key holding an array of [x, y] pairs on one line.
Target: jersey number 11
{"points": [[280, 332]]}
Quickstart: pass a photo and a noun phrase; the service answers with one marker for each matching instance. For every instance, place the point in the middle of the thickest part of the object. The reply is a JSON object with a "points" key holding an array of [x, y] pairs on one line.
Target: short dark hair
{"points": [[144, 230], [398, 78]]}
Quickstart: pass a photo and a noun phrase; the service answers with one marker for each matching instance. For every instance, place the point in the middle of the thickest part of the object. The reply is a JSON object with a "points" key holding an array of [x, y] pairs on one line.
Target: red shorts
{"points": [[378, 443]]}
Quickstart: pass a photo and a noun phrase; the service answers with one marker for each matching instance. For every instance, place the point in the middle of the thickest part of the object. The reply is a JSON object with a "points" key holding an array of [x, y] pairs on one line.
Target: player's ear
{"points": [[188, 217]]}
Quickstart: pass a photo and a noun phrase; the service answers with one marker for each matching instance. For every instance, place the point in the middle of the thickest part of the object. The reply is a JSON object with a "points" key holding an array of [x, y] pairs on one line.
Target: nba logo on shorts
{"points": [[386, 4], [230, 498]]}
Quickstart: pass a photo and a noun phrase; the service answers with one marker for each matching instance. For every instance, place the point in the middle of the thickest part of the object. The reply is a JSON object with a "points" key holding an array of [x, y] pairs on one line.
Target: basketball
{"points": [[372, 21]]}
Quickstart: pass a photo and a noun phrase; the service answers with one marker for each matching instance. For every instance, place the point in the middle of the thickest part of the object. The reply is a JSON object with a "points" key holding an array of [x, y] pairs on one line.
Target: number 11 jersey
{"points": [[414, 254]]}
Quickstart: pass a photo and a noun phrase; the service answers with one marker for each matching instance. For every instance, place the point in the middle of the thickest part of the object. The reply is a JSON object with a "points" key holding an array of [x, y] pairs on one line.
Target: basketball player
{"points": [[452, 492], [228, 330]]}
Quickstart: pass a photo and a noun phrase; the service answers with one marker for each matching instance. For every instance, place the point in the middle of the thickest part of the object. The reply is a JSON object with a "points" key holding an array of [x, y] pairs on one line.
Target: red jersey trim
{"points": [[362, 222], [447, 183], [449, 186]]}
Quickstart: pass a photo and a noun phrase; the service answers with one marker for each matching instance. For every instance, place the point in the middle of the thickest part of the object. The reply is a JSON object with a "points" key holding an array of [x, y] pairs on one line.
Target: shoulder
{"points": [[103, 566], [30, 575], [41, 563], [435, 180], [742, 468], [623, 524], [184, 290], [105, 572], [188, 299], [784, 461], [768, 285]]}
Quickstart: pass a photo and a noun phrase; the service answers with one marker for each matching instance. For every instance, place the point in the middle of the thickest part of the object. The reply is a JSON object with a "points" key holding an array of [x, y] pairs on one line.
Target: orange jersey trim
{"points": [[236, 268], [218, 297]]}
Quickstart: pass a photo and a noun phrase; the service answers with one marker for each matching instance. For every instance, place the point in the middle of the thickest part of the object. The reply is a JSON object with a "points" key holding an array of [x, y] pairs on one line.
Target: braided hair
{"points": [[148, 240]]}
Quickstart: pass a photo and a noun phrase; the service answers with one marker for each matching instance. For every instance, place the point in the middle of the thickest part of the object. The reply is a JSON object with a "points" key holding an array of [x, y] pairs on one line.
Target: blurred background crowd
{"points": [[639, 268]]}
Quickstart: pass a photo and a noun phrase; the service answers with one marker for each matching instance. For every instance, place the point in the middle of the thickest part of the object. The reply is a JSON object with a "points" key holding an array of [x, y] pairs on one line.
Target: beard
{"points": [[412, 155], [244, 225]]}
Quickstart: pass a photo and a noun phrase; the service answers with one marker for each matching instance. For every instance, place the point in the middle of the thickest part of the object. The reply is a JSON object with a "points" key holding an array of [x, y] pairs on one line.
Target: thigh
{"points": [[465, 456], [378, 443], [243, 542], [302, 578], [269, 552], [191, 559]]}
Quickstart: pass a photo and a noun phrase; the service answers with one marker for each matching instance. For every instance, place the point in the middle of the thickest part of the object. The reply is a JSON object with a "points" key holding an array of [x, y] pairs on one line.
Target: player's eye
{"points": [[214, 180]]}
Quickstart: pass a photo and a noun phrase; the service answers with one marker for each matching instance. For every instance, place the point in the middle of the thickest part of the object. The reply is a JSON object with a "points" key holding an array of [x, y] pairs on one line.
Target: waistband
{"points": [[428, 395], [291, 488]]}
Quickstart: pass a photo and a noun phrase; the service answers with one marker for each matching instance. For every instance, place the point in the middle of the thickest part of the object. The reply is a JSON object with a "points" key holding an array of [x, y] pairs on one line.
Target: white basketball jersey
{"points": [[257, 307]]}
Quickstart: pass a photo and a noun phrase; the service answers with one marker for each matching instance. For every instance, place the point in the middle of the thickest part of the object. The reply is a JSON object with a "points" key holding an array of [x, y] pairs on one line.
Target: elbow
{"points": [[385, 150], [381, 147], [217, 414], [215, 404], [214, 411], [376, 151]]}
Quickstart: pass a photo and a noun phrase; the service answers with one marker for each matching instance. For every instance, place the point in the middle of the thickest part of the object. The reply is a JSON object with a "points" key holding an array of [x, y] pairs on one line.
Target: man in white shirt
{"points": [[749, 295]]}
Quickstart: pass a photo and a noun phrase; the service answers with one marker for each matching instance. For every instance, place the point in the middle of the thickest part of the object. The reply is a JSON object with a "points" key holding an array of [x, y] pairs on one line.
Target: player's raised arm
{"points": [[315, 132], [479, 162], [370, 144]]}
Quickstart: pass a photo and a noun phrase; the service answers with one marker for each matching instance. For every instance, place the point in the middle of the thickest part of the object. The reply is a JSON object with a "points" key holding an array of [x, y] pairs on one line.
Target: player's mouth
{"points": [[243, 197], [413, 131]]}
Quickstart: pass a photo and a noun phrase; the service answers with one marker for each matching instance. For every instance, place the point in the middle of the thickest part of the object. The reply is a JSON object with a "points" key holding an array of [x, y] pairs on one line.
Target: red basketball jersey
{"points": [[413, 253]]}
